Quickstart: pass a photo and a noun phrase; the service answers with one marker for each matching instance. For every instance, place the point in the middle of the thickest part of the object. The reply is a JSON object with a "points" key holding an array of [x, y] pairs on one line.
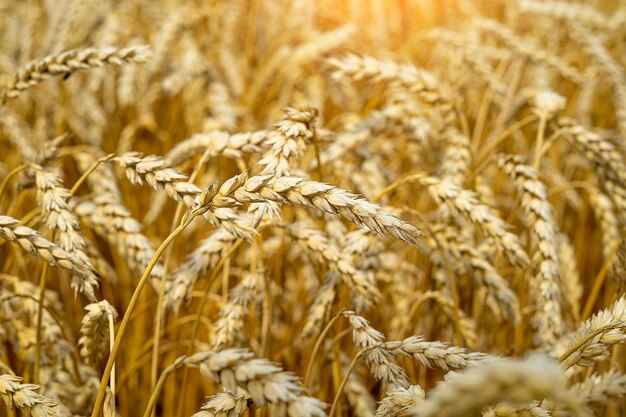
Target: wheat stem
{"points": [[40, 308], [89, 171], [10, 175], [156, 391], [131, 306], [344, 381], [599, 281], [318, 345], [196, 323]]}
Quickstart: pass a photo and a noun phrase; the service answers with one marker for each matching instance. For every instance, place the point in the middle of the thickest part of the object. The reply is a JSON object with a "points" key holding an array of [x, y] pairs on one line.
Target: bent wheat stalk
{"points": [[186, 221]]}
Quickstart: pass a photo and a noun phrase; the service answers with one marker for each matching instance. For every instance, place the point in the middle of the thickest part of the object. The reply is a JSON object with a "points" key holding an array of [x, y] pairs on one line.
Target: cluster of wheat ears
{"points": [[295, 208]]}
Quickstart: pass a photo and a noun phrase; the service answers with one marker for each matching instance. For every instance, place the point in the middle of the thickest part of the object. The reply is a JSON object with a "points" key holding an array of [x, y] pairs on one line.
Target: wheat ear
{"points": [[25, 398], [71, 61], [507, 380], [546, 289]]}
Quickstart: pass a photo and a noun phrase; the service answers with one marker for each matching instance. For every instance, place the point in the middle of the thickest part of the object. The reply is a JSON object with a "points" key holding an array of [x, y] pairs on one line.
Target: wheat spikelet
{"points": [[530, 49], [203, 258], [316, 242], [69, 62], [316, 195], [466, 203], [30, 241], [230, 325], [356, 67], [437, 354], [94, 330], [21, 312], [265, 381], [225, 404], [599, 389], [603, 209], [53, 198], [25, 398], [219, 143], [607, 328], [570, 276], [320, 308], [287, 143], [155, 172], [607, 158], [379, 360], [457, 157], [539, 215], [500, 296], [476, 55], [399, 402], [113, 221], [507, 380]]}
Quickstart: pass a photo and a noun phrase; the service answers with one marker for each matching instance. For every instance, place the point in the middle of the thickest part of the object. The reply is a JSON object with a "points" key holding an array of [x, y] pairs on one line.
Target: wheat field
{"points": [[297, 208]]}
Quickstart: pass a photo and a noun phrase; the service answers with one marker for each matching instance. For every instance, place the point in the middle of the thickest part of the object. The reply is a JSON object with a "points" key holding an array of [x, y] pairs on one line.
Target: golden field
{"points": [[268, 208]]}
